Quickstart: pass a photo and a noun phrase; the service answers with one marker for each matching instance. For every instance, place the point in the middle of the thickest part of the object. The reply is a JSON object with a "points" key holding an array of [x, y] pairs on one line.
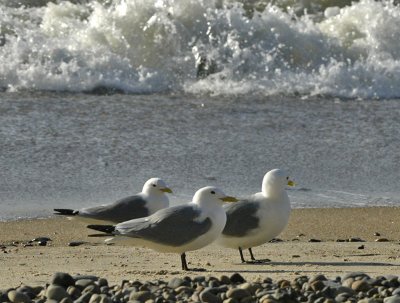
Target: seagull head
{"points": [[275, 182], [156, 186], [211, 196]]}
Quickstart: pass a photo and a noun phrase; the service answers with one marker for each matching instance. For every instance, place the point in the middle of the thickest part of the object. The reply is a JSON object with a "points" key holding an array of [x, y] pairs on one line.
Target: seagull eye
{"points": [[287, 178], [213, 192], [154, 185]]}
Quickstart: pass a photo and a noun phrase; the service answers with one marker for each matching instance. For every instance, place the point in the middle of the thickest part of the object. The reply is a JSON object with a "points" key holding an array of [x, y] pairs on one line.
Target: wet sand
{"points": [[292, 257]]}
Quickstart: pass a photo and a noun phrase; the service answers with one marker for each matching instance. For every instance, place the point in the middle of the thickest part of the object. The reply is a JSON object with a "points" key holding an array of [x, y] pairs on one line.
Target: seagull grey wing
{"points": [[122, 210], [174, 226], [241, 218]]}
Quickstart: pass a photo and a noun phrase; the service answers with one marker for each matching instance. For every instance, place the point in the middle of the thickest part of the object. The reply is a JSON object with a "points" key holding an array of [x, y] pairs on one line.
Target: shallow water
{"points": [[97, 96], [70, 150]]}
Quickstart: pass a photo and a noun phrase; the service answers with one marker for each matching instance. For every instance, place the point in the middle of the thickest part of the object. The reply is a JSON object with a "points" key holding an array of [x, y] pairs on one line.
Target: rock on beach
{"points": [[351, 287]]}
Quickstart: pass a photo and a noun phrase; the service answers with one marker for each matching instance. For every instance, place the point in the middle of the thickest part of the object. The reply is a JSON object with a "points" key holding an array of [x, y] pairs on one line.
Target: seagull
{"points": [[177, 229], [152, 198], [260, 218]]}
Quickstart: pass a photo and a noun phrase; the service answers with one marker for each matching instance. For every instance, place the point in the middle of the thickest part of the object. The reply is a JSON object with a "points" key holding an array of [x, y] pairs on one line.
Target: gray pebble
{"points": [[208, 296], [238, 293], [360, 285], [83, 283], [176, 282], [392, 299], [62, 279], [141, 296], [74, 292], [84, 298], [56, 292], [66, 300], [18, 297], [237, 278]]}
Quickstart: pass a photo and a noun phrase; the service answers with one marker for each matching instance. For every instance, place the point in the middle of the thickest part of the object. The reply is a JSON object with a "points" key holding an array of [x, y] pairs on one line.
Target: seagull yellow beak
{"points": [[166, 190], [291, 183], [229, 199]]}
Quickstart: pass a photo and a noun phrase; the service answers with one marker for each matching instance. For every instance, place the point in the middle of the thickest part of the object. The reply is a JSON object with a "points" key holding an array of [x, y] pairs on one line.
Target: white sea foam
{"points": [[145, 46]]}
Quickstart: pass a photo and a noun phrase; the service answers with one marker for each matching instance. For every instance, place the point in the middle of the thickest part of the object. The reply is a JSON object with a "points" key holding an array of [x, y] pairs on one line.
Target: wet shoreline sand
{"points": [[333, 256]]}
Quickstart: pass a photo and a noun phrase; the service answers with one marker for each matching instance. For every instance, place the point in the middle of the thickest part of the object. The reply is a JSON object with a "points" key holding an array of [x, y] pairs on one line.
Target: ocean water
{"points": [[98, 96]]}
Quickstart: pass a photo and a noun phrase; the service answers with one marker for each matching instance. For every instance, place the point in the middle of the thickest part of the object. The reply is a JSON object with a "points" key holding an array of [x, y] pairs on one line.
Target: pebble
{"points": [[62, 279], [18, 297], [351, 287], [55, 292], [238, 293], [355, 239], [76, 243]]}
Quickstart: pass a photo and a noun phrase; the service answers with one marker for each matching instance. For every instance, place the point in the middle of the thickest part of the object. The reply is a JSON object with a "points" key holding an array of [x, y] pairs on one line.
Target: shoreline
{"points": [[295, 255]]}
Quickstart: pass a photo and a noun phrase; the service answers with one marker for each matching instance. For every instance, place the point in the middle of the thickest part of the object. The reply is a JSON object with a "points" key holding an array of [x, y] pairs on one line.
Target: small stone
{"points": [[268, 299], [84, 298], [76, 243], [95, 298], [41, 239], [381, 240], [250, 287], [317, 285], [377, 234], [29, 291], [230, 300], [141, 296], [176, 282], [314, 240], [355, 275], [283, 283], [368, 300], [238, 293], [74, 292], [361, 247], [18, 297], [62, 279], [318, 278], [83, 283], [66, 300], [224, 280], [392, 299], [207, 296], [355, 239], [360, 285], [56, 292], [237, 278], [92, 288]]}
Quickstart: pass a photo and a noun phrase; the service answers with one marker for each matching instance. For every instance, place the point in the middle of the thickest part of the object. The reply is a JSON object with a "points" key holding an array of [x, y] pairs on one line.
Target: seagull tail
{"points": [[65, 212], [106, 229]]}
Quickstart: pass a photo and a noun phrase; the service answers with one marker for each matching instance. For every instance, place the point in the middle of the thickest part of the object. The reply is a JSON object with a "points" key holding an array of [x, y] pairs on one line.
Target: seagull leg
{"points": [[185, 267], [241, 255], [254, 260], [251, 254], [183, 260]]}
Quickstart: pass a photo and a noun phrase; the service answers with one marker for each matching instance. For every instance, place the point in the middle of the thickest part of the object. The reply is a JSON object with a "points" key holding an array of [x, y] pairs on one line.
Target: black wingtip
{"points": [[108, 229], [65, 212]]}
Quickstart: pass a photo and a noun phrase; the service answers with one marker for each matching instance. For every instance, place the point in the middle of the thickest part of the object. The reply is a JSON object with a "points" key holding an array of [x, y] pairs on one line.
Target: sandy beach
{"points": [[295, 255]]}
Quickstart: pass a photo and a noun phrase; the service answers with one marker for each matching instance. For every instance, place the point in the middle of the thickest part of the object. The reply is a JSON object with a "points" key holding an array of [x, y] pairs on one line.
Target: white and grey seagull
{"points": [[260, 218], [152, 198], [177, 229]]}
